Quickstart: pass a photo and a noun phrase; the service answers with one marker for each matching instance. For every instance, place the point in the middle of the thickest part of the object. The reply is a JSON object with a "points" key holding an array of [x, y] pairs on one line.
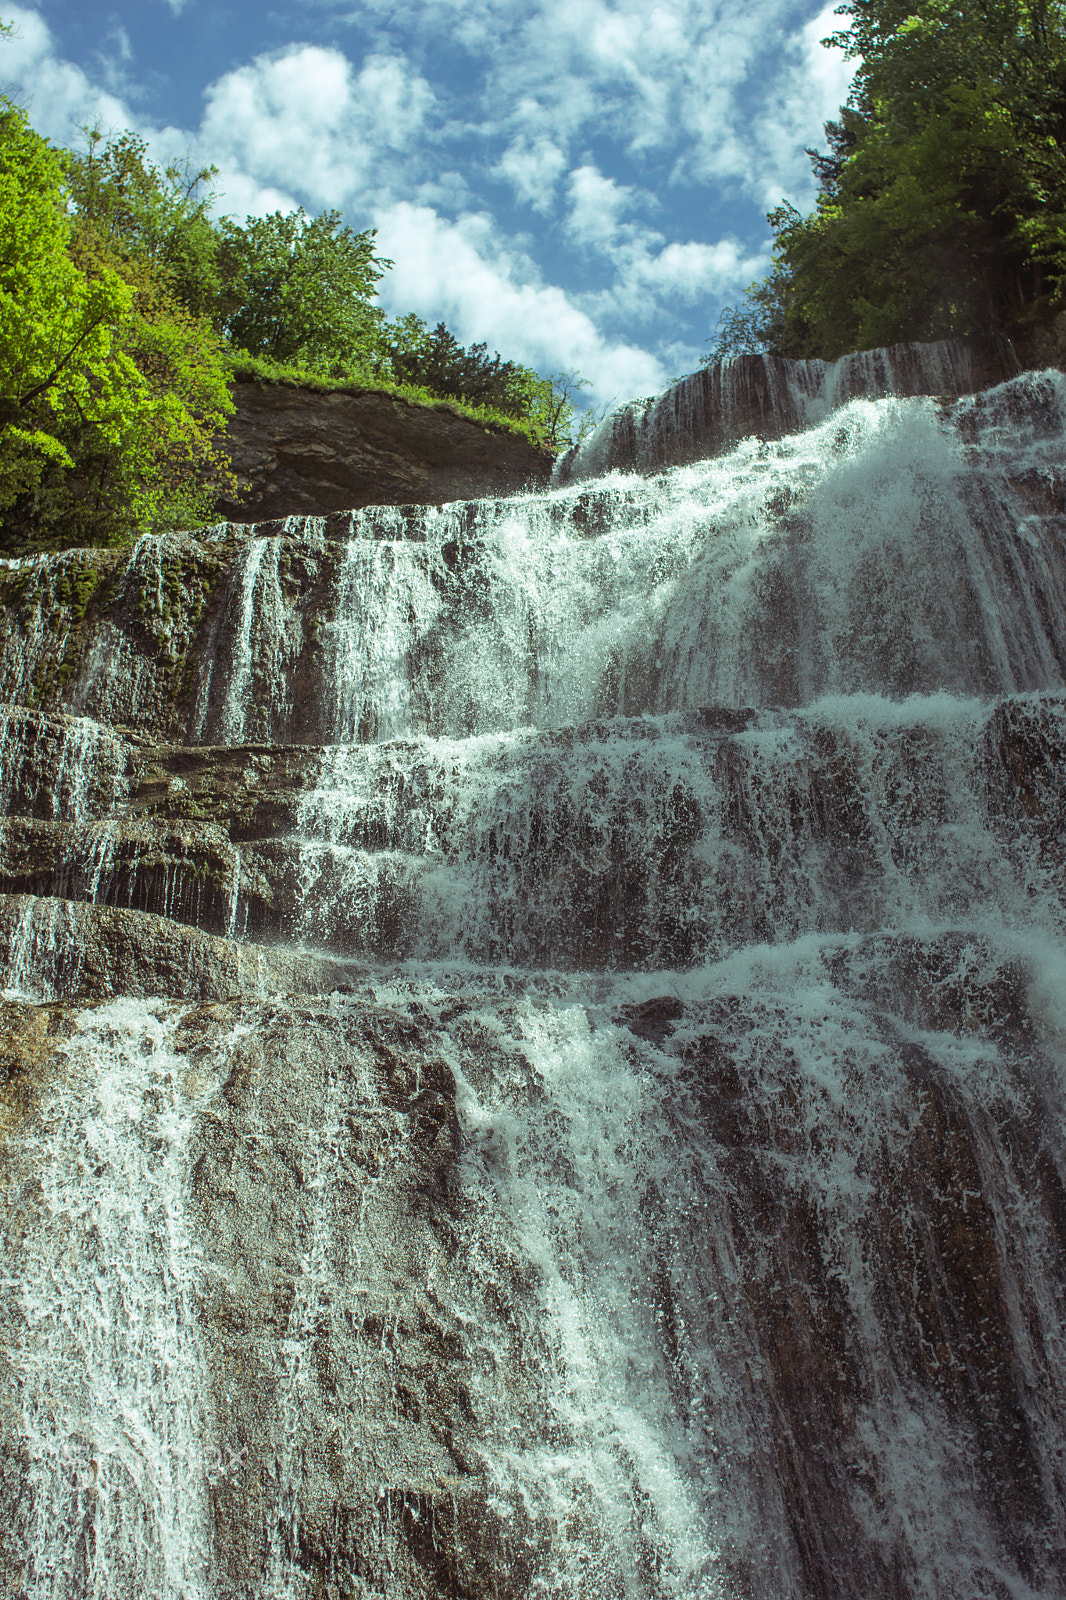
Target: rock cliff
{"points": [[767, 396], [299, 452]]}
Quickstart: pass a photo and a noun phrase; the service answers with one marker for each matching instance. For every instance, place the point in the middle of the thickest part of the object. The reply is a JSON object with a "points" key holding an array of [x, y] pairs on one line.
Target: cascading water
{"points": [[100, 1338], [767, 396], [666, 1195]]}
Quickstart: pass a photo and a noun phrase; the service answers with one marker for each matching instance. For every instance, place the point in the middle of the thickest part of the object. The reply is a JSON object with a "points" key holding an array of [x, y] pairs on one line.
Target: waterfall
{"points": [[101, 1338], [768, 396], [533, 1044]]}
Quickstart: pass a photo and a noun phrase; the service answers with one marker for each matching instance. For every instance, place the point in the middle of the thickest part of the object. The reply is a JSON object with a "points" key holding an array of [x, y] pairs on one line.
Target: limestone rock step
{"points": [[624, 843], [63, 949]]}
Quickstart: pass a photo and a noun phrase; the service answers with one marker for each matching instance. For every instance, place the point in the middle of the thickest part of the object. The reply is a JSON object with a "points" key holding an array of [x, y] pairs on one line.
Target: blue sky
{"points": [[581, 184]]}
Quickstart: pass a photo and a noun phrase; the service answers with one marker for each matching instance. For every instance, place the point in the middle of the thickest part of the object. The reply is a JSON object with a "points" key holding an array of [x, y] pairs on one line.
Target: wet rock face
{"points": [[714, 586], [767, 397], [375, 1352], [855, 1262], [327, 1346], [322, 1204], [145, 638], [299, 452], [532, 1063]]}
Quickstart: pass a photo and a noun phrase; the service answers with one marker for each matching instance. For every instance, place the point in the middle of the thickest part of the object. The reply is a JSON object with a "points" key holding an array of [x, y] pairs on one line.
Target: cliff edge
{"points": [[306, 452]]}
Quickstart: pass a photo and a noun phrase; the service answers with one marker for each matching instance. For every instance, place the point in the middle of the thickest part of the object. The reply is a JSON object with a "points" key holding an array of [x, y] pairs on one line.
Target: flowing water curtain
{"points": [[671, 1201], [102, 1338], [883, 551]]}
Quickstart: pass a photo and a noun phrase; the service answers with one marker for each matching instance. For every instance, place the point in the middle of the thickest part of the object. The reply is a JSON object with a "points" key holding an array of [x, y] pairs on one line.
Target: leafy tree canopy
{"points": [[110, 393], [300, 289], [435, 360], [439, 362], [125, 204], [943, 195]]}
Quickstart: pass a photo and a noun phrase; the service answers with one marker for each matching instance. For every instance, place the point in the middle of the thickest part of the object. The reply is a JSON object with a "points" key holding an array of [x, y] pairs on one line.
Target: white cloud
{"points": [[59, 96], [460, 272], [649, 282], [812, 91], [299, 123], [648, 269], [728, 89], [596, 207], [532, 167], [691, 271], [306, 121], [627, 68]]}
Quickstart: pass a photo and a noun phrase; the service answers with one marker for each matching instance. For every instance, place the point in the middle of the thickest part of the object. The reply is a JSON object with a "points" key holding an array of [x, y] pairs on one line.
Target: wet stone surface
{"points": [[532, 1054]]}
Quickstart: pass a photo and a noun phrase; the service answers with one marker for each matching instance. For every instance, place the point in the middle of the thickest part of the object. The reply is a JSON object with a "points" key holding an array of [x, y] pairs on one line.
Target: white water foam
{"points": [[101, 1338]]}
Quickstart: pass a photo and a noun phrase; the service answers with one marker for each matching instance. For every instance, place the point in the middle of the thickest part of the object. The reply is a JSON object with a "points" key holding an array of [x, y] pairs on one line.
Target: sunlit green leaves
{"points": [[126, 205], [60, 355], [301, 289], [111, 394]]}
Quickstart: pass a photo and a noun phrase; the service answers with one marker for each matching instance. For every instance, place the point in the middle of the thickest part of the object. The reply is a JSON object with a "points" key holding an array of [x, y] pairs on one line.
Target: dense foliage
{"points": [[436, 361], [942, 204], [300, 289], [112, 392]]}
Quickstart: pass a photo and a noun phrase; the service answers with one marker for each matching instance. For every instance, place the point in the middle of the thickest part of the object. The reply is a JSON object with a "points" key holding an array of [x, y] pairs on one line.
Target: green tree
{"points": [[438, 362], [435, 360], [943, 194], [59, 356], [111, 396], [548, 405], [301, 289], [135, 212]]}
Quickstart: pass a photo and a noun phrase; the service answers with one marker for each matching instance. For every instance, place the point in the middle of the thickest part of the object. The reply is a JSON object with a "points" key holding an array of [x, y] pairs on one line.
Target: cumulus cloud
{"points": [[726, 89], [463, 273], [752, 130], [679, 76], [597, 204], [648, 269], [59, 96], [532, 167], [300, 123], [690, 270], [306, 121], [809, 93]]}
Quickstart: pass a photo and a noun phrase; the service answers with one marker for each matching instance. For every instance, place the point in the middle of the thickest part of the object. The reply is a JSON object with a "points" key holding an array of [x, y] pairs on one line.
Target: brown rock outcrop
{"points": [[306, 452]]}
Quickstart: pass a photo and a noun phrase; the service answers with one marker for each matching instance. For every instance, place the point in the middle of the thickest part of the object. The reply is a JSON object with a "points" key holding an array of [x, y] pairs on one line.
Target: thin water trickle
{"points": [[258, 600]]}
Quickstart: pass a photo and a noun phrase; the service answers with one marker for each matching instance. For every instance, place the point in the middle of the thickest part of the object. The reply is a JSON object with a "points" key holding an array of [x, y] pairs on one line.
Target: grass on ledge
{"points": [[256, 369]]}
